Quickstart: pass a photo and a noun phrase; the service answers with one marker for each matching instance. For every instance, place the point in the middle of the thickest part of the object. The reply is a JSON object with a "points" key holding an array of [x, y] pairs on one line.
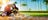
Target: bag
{"points": [[4, 14]]}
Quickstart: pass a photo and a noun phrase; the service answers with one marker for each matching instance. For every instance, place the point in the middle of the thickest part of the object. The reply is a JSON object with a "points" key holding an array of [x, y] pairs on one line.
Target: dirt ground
{"points": [[33, 18]]}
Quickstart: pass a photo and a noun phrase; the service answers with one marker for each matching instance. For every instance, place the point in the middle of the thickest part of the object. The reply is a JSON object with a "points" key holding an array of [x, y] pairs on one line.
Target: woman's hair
{"points": [[15, 2], [15, 7]]}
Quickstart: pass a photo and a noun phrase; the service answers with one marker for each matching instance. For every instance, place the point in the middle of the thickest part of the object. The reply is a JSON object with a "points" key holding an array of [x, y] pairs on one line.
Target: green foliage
{"points": [[40, 15], [33, 0], [30, 9], [24, 4], [15, 2], [46, 1]]}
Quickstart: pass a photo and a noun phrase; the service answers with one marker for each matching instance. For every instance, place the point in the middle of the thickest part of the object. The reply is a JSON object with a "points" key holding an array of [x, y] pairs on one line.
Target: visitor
{"points": [[8, 9]]}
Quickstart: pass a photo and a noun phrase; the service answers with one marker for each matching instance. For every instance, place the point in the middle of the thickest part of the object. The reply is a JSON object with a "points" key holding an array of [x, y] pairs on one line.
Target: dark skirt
{"points": [[8, 13]]}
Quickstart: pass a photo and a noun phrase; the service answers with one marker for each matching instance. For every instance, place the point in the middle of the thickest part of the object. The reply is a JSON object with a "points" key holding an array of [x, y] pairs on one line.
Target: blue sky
{"points": [[35, 6]]}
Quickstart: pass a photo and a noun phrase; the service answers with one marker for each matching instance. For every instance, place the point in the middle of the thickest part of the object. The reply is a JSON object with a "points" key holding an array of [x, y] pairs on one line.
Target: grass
{"points": [[34, 13], [31, 13]]}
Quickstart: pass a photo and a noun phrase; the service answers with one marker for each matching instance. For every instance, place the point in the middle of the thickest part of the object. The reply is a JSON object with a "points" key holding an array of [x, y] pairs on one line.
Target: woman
{"points": [[8, 9]]}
